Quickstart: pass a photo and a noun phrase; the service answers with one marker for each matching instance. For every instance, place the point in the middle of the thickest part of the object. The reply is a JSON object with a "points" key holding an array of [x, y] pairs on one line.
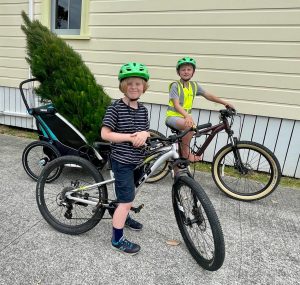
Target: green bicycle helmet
{"points": [[134, 69], [186, 60]]}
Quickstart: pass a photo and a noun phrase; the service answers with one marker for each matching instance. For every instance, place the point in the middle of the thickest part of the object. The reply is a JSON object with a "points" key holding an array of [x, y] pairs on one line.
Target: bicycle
{"points": [[243, 170], [76, 201]]}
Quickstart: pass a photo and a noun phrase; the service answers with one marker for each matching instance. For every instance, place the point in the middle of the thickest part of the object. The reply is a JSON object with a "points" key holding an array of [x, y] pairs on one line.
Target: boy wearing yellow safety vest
{"points": [[181, 97]]}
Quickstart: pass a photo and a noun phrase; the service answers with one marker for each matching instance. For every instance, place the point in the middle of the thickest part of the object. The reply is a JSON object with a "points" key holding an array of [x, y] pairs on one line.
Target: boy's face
{"points": [[186, 72], [135, 87]]}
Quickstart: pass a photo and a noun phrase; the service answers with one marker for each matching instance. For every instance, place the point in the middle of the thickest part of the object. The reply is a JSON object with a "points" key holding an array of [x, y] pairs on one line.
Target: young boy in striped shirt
{"points": [[126, 125]]}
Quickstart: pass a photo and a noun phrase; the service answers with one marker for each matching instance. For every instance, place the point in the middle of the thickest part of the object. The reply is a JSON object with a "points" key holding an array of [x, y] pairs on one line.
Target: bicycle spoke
{"points": [[57, 205], [198, 223], [253, 176], [201, 238]]}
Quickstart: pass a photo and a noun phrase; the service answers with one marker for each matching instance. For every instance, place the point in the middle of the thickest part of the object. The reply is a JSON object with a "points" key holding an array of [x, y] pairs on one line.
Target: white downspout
{"points": [[31, 85], [31, 9], [31, 16]]}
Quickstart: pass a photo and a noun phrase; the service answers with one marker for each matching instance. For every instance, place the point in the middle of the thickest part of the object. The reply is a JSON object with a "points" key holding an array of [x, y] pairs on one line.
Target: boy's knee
{"points": [[126, 206]]}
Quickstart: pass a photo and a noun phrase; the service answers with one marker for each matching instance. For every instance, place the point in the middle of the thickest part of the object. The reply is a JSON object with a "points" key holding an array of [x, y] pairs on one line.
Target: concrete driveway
{"points": [[262, 238]]}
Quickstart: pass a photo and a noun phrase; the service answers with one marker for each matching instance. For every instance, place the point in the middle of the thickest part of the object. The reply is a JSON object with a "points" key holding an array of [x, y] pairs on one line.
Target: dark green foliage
{"points": [[65, 79]]}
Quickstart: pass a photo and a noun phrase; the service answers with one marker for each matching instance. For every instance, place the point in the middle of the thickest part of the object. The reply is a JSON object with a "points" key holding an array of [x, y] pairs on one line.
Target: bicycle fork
{"points": [[236, 153]]}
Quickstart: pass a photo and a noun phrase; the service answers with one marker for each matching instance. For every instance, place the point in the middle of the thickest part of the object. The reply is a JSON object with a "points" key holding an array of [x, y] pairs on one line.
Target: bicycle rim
{"points": [[35, 156], [56, 206], [198, 224], [259, 176]]}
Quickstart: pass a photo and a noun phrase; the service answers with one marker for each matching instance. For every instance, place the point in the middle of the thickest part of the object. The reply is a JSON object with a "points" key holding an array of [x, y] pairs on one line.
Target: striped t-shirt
{"points": [[121, 118]]}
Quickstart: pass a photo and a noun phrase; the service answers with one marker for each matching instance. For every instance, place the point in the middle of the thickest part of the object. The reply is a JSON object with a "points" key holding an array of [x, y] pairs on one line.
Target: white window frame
{"points": [[46, 19]]}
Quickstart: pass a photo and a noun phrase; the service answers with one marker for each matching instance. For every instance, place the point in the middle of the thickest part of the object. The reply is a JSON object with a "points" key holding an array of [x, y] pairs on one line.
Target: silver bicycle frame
{"points": [[169, 152]]}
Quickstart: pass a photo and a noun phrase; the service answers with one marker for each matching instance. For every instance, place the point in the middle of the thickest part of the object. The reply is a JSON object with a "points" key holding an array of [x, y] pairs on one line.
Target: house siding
{"points": [[247, 51], [13, 67]]}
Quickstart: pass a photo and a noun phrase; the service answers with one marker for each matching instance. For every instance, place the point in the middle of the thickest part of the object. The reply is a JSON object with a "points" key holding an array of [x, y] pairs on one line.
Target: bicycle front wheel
{"points": [[256, 175], [57, 203], [163, 169], [198, 223]]}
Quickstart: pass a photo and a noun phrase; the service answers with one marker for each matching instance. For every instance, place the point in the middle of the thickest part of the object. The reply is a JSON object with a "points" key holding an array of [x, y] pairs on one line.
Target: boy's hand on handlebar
{"points": [[189, 122], [229, 106], [138, 139]]}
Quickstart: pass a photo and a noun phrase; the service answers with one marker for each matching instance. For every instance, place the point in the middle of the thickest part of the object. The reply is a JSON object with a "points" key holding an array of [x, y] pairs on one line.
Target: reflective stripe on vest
{"points": [[186, 98]]}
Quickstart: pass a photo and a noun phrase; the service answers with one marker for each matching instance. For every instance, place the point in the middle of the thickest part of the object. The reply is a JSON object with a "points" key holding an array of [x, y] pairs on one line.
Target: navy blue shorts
{"points": [[124, 181]]}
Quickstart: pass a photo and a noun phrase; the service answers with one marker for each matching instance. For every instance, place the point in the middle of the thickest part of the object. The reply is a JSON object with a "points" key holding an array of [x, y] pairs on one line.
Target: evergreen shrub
{"points": [[65, 79]]}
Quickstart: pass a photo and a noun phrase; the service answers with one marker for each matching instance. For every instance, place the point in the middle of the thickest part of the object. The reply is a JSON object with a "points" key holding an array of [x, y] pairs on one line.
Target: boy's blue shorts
{"points": [[124, 181]]}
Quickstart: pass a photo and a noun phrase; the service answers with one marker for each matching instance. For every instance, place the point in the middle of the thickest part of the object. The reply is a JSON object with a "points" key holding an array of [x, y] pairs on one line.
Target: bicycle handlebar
{"points": [[174, 138], [228, 112]]}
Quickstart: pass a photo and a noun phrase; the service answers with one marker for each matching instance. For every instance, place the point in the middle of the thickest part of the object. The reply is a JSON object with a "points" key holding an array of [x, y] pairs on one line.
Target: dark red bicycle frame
{"points": [[224, 125]]}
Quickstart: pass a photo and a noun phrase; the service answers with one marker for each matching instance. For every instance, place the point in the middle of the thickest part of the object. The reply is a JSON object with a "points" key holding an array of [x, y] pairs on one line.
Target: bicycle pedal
{"points": [[137, 209]]}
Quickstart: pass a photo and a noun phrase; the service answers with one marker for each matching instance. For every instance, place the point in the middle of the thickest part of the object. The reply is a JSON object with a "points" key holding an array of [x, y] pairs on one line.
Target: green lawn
{"points": [[19, 132]]}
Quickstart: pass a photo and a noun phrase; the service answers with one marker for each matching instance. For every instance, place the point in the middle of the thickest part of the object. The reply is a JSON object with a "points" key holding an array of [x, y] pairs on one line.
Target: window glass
{"points": [[66, 16], [75, 15]]}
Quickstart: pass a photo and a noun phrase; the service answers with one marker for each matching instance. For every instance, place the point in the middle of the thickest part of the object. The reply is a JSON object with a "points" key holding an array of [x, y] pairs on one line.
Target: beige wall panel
{"points": [[207, 62], [37, 9], [10, 2], [12, 52], [13, 8], [204, 33], [13, 62], [251, 79], [277, 65], [167, 5], [12, 44], [196, 18], [11, 82], [258, 79], [11, 31], [13, 72], [266, 95], [285, 50], [16, 42], [11, 20]]}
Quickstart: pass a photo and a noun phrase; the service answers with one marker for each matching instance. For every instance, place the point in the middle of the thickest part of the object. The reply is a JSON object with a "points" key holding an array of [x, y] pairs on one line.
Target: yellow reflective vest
{"points": [[186, 98]]}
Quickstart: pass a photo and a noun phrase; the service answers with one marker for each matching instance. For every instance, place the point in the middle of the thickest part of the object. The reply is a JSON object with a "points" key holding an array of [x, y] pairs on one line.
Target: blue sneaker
{"points": [[125, 246], [133, 224]]}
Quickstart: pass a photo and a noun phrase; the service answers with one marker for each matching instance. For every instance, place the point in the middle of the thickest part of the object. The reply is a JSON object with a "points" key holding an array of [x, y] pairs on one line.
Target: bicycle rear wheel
{"points": [[36, 155], [59, 208], [255, 178], [198, 223], [163, 170]]}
